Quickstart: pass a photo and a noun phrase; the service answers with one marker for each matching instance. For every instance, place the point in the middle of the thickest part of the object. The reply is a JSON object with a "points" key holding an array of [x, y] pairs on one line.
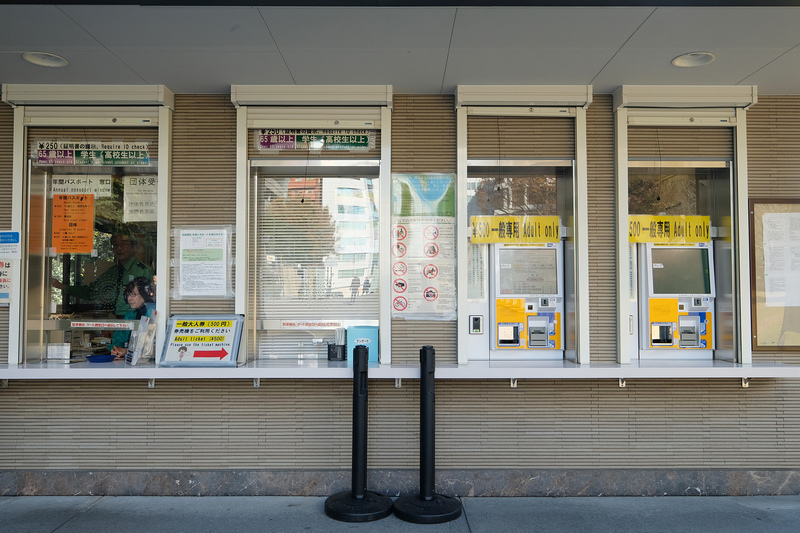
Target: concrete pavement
{"points": [[232, 514]]}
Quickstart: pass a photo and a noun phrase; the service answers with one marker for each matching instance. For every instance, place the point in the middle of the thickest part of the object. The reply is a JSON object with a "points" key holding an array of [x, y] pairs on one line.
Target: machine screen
{"points": [[528, 271], [681, 271]]}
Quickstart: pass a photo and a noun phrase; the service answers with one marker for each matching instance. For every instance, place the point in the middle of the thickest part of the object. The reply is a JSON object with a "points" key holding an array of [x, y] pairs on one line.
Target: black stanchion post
{"points": [[358, 504], [427, 507]]}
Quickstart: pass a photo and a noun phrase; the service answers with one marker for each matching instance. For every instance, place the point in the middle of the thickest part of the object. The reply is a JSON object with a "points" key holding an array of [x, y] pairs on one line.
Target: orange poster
{"points": [[73, 223]]}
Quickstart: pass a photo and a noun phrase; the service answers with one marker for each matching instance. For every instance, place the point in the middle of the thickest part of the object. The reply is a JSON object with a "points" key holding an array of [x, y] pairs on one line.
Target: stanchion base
{"points": [[439, 509], [345, 508]]}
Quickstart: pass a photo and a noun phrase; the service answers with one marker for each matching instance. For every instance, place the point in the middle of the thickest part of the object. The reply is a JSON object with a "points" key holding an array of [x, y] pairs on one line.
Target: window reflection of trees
{"points": [[515, 195], [669, 193]]}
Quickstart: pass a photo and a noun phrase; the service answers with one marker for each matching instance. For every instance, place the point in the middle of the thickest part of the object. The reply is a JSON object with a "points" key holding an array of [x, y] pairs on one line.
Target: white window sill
{"points": [[323, 369]]}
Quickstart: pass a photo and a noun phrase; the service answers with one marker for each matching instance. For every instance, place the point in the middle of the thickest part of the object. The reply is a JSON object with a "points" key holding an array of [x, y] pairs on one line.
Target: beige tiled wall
{"points": [[305, 424]]}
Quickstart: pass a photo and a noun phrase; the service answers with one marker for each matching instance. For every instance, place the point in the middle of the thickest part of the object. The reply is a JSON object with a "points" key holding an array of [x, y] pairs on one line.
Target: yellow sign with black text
{"points": [[669, 229], [488, 229]]}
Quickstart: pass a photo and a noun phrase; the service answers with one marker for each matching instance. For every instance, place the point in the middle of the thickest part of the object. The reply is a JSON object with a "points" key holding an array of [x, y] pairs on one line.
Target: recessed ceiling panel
{"points": [[537, 67], [712, 29], [83, 68], [781, 76], [209, 72], [516, 28], [360, 29], [654, 67], [174, 28], [41, 28], [408, 72]]}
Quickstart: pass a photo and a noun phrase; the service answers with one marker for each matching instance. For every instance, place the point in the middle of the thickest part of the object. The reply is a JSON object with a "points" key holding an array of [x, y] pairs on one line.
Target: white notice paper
{"points": [[782, 259], [204, 263]]}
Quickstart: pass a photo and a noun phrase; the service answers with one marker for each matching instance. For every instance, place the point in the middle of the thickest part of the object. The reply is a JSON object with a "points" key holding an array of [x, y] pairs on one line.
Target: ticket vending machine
{"points": [[676, 300], [527, 301]]}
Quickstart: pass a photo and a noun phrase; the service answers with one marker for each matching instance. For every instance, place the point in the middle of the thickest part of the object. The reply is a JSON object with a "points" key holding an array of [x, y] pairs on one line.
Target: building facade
{"points": [[597, 412]]}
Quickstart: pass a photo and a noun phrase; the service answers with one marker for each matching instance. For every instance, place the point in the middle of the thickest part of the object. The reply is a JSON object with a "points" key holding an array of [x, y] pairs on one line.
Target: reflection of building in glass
{"points": [[321, 234], [351, 204]]}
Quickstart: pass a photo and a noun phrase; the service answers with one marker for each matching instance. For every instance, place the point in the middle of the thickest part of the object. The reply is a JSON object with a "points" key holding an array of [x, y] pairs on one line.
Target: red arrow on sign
{"points": [[211, 353]]}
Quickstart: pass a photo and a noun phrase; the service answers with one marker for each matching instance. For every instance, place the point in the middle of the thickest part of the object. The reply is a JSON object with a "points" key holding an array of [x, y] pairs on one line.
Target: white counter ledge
{"points": [[323, 369]]}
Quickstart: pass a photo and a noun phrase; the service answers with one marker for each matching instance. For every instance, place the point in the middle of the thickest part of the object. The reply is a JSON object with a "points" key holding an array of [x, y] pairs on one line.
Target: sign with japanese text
{"points": [[669, 229], [91, 153], [95, 324], [73, 223], [515, 229], [10, 247], [140, 199], [202, 340], [280, 139], [98, 186], [204, 262], [423, 246], [5, 282]]}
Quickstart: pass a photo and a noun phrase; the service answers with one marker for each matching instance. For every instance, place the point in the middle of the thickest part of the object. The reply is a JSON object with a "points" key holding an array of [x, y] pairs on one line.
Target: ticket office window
{"points": [[314, 254], [521, 293], [91, 231], [682, 285]]}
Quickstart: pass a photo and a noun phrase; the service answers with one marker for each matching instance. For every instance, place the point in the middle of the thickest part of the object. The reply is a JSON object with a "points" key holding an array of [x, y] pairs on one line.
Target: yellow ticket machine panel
{"points": [[527, 301], [676, 284]]}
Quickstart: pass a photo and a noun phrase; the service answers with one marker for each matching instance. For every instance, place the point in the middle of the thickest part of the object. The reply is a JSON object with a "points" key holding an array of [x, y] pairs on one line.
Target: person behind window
{"points": [[107, 289], [355, 284], [141, 297]]}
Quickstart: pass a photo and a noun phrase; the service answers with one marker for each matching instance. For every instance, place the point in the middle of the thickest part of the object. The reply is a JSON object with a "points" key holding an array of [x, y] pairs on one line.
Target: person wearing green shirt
{"points": [[109, 286]]}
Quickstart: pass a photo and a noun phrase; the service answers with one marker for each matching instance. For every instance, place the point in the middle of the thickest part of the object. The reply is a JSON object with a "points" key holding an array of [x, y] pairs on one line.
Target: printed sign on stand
{"points": [[202, 340]]}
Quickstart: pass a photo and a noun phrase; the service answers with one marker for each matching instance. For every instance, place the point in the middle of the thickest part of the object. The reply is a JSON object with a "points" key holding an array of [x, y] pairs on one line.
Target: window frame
{"points": [[50, 106]]}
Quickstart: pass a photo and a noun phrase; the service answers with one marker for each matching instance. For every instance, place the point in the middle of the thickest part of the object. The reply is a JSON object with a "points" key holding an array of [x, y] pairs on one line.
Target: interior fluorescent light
{"points": [[694, 59], [45, 59]]}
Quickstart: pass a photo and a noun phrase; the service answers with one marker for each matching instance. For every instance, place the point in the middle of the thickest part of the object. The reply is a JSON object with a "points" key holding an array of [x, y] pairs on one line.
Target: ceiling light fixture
{"points": [[694, 59], [45, 59]]}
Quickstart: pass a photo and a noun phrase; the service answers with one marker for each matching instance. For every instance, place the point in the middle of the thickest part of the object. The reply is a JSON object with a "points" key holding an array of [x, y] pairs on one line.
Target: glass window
{"points": [[314, 254], [683, 188], [92, 232]]}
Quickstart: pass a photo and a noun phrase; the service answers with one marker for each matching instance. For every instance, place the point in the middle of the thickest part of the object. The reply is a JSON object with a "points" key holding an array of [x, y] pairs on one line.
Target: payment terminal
{"points": [[676, 300], [527, 301]]}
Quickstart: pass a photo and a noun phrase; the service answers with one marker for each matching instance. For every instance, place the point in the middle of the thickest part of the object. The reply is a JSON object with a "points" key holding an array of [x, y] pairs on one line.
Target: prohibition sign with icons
{"points": [[431, 294], [432, 249], [400, 232], [431, 232], [399, 249], [430, 271], [400, 285], [400, 303], [399, 268]]}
